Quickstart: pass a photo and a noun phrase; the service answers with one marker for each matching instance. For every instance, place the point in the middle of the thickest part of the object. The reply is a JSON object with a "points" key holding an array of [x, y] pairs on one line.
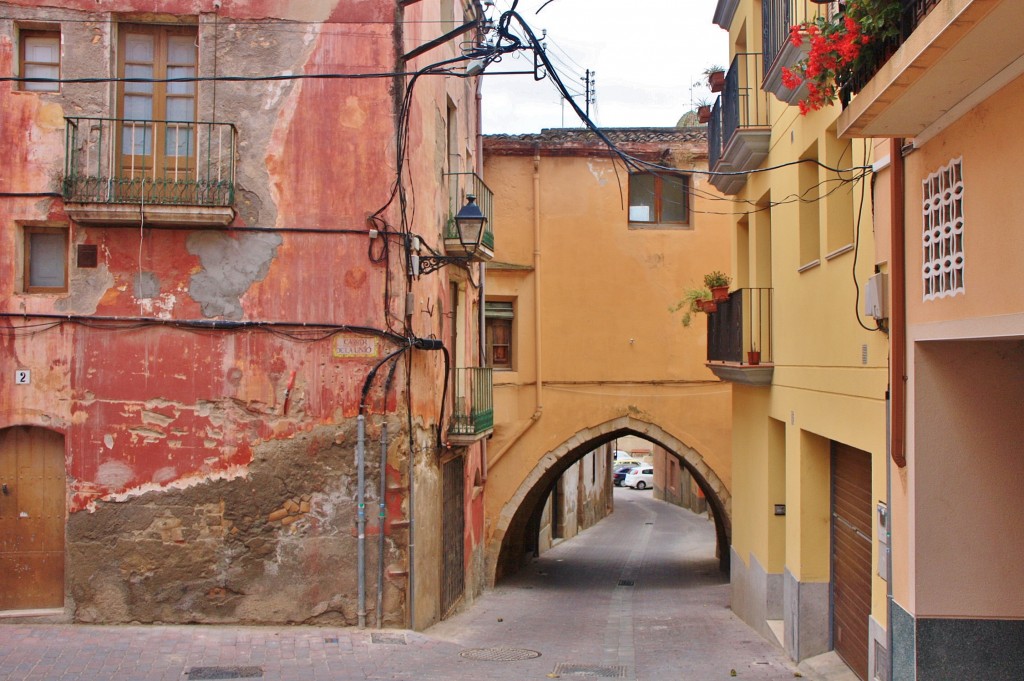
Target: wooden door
{"points": [[851, 555], [32, 514], [453, 533], [157, 131]]}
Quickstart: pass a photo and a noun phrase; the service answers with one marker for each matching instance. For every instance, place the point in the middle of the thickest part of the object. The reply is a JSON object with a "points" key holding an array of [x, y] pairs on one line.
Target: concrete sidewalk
{"points": [[638, 596]]}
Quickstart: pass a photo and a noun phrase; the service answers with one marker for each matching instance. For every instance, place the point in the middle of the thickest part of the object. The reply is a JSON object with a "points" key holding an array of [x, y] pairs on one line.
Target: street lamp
{"points": [[465, 244], [469, 224]]}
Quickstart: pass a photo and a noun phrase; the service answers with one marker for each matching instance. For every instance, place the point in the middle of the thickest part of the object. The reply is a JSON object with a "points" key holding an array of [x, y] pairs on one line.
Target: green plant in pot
{"points": [[716, 77], [694, 300], [718, 284]]}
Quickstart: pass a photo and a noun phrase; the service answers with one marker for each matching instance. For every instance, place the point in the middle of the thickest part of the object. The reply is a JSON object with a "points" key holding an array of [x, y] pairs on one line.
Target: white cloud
{"points": [[646, 54]]}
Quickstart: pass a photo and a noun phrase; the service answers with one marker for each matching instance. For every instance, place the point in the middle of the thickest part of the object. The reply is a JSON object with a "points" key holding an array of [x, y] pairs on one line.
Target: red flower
{"points": [[791, 79], [833, 47]]}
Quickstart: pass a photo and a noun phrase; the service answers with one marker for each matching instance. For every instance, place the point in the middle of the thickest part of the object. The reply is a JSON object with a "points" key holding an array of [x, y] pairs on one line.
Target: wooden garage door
{"points": [[851, 555], [32, 507]]}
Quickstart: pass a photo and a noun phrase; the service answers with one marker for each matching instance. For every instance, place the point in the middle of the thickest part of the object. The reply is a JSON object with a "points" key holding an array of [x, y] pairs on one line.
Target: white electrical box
{"points": [[875, 297]]}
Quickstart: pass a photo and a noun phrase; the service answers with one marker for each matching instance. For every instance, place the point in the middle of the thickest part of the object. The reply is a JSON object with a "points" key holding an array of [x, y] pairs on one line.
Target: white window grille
{"points": [[943, 233]]}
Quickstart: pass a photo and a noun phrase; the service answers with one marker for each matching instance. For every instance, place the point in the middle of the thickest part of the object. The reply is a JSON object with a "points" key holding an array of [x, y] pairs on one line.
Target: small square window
{"points": [[659, 199], [46, 258], [40, 58]]}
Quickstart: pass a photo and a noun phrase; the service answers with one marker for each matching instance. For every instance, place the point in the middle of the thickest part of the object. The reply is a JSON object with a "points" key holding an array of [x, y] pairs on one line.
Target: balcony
{"points": [[123, 172], [740, 327], [725, 12], [472, 406], [461, 185], [954, 55], [777, 17], [745, 131]]}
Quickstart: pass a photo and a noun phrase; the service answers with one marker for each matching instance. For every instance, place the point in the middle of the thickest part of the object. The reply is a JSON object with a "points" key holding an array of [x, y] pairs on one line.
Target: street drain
{"points": [[499, 654], [381, 637], [590, 670], [627, 582], [225, 673]]}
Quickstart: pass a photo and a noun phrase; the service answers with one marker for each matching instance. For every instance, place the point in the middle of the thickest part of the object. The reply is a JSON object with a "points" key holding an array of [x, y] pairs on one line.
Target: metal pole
{"points": [[381, 517], [361, 517]]}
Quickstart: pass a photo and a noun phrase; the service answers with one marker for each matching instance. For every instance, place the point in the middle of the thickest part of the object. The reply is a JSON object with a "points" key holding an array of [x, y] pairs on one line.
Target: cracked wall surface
{"points": [[209, 433]]}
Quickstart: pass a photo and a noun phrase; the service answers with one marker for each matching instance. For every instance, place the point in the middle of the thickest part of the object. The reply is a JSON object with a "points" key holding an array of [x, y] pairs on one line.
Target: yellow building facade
{"points": [[584, 346], [809, 413], [944, 113]]}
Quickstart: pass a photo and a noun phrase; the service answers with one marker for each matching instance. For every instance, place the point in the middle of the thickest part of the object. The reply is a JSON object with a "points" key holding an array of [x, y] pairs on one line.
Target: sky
{"points": [[646, 54]]}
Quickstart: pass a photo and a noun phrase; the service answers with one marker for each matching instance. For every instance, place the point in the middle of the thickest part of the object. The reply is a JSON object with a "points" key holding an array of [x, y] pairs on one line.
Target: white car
{"points": [[640, 477]]}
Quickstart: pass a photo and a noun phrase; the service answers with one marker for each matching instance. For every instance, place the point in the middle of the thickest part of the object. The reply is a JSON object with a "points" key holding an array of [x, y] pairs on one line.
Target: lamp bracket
{"points": [[432, 263]]}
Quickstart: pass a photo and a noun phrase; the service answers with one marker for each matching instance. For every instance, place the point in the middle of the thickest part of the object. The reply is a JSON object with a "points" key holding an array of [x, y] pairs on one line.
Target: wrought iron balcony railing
{"points": [[472, 404], [913, 12], [156, 163], [715, 134], [743, 103], [461, 185], [777, 18], [745, 124], [740, 333]]}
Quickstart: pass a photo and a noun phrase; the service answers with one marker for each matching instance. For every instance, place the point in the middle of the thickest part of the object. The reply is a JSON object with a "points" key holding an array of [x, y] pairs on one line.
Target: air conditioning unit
{"points": [[875, 296]]}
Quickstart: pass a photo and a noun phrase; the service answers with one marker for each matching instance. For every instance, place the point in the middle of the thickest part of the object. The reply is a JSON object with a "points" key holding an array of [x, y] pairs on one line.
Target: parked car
{"points": [[640, 477], [619, 473]]}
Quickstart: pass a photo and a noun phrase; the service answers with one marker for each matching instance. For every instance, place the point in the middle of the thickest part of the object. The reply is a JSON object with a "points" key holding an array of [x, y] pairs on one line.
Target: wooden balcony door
{"points": [[157, 133]]}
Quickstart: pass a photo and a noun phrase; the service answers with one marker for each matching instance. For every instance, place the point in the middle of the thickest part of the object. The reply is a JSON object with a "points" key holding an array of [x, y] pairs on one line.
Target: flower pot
{"points": [[709, 306], [720, 294], [754, 357], [716, 81], [703, 114]]}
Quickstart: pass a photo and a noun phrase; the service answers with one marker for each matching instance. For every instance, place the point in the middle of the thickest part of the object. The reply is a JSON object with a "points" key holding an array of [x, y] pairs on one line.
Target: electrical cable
{"points": [[856, 252]]}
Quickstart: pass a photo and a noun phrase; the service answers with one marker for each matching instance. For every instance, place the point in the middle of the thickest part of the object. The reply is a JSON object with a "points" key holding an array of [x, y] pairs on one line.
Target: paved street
{"points": [[571, 613]]}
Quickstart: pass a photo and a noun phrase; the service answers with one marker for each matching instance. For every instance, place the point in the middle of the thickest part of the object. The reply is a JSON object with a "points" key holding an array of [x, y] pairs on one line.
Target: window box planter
{"points": [[788, 56]]}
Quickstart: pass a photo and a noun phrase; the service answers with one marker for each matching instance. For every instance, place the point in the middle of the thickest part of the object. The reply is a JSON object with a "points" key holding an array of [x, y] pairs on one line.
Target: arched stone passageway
{"points": [[510, 542]]}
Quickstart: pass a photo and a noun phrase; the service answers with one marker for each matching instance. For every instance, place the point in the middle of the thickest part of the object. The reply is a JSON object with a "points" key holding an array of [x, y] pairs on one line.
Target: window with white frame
{"points": [[46, 259], [39, 57], [943, 232]]}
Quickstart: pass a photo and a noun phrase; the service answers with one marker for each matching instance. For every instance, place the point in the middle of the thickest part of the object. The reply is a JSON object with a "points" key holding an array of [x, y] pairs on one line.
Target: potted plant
{"points": [[716, 77], [753, 355], [718, 284], [703, 111], [694, 300]]}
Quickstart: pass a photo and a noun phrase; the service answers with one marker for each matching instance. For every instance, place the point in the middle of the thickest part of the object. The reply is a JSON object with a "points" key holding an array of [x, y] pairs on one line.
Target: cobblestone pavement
{"points": [[639, 596]]}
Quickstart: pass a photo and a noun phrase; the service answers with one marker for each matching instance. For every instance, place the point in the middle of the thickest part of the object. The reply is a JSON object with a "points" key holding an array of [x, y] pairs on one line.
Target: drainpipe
{"points": [[539, 384], [483, 265], [481, 333], [381, 519], [898, 320], [361, 517], [897, 341]]}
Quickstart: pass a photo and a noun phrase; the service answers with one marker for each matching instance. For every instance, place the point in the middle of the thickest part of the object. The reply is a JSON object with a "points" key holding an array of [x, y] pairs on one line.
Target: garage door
{"points": [[851, 555]]}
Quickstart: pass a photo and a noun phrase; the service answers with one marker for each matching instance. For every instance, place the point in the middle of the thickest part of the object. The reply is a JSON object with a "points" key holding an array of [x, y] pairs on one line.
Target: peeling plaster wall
{"points": [[200, 488]]}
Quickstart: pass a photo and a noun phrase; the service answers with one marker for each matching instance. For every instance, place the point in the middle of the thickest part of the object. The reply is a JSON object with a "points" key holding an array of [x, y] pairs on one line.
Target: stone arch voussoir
{"points": [[714, 489]]}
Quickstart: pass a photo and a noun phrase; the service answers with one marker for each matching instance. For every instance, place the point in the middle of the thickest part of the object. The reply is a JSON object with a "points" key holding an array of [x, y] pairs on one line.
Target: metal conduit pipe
{"points": [[539, 383], [360, 518], [381, 518]]}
